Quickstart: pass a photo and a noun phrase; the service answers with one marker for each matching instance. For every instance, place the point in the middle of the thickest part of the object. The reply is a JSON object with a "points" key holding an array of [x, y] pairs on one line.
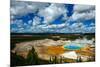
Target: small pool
{"points": [[72, 46]]}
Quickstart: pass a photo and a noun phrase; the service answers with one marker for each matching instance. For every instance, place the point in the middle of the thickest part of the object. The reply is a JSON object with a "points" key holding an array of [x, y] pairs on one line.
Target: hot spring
{"points": [[73, 46]]}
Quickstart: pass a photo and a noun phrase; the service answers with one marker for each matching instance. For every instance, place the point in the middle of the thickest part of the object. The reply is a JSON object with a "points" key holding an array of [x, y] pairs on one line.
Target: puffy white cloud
{"points": [[52, 12], [91, 29], [49, 11], [83, 8], [83, 12], [36, 21], [83, 16], [22, 7], [55, 26], [77, 27], [17, 25]]}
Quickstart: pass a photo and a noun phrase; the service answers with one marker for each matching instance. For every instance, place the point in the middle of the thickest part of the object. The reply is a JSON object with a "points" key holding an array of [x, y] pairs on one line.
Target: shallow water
{"points": [[72, 46]]}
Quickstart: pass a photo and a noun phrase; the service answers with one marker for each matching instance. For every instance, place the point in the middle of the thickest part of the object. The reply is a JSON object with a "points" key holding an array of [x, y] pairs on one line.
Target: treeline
{"points": [[50, 33]]}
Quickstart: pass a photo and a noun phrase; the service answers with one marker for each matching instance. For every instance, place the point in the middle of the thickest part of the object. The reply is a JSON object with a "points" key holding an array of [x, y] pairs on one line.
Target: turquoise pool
{"points": [[72, 46]]}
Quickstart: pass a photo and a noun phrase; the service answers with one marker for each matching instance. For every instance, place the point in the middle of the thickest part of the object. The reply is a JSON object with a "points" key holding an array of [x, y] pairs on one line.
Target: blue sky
{"points": [[38, 17]]}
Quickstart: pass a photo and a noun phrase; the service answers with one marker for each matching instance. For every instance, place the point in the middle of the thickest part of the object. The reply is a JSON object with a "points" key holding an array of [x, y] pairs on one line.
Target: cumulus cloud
{"points": [[55, 26], [83, 12], [36, 21], [52, 12], [83, 16], [77, 27], [22, 7], [49, 13], [83, 8]]}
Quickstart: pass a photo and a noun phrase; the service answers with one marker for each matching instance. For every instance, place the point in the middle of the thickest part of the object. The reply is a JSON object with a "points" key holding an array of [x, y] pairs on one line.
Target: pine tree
{"points": [[32, 57], [61, 59], [50, 61], [79, 59]]}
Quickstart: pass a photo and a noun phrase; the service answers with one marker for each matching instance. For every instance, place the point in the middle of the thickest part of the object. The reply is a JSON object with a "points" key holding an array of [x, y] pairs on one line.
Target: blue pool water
{"points": [[72, 47]]}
